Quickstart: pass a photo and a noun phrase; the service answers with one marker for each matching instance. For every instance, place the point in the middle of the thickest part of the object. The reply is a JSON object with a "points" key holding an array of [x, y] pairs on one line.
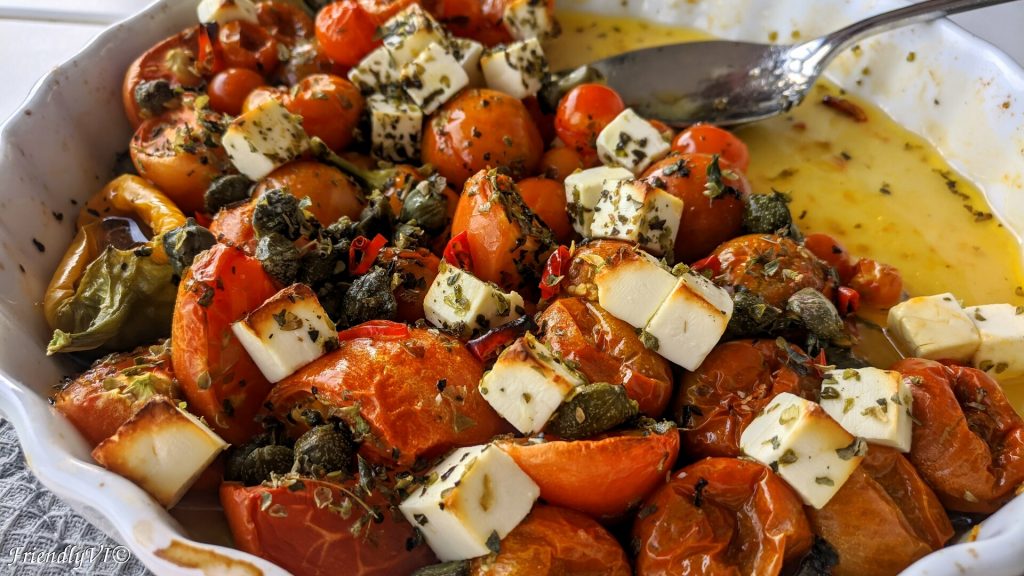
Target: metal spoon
{"points": [[725, 82]]}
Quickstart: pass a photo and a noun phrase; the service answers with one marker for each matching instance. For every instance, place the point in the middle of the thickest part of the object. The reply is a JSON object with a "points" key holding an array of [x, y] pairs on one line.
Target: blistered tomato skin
{"points": [[738, 379], [747, 260], [968, 441], [721, 516]]}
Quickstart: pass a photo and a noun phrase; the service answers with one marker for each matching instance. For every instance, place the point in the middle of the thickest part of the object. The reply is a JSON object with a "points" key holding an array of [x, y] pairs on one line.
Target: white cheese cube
{"points": [[376, 72], [632, 285], [517, 69], [410, 32], [264, 139], [636, 211], [525, 19], [528, 383], [583, 191], [396, 128], [224, 11], [804, 446], [468, 53], [631, 142], [870, 403], [479, 496], [462, 304], [934, 327], [162, 448], [286, 332], [433, 78], [690, 321], [1001, 352]]}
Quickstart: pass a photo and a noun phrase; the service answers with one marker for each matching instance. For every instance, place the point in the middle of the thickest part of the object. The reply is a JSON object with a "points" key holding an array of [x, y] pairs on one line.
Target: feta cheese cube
{"points": [[525, 19], [264, 139], [804, 446], [1001, 328], [468, 53], [636, 211], [286, 332], [162, 448], [631, 142], [934, 327], [462, 304], [583, 191], [480, 495], [690, 321], [631, 286], [517, 69], [224, 11], [410, 32], [376, 72], [433, 78], [396, 128], [528, 383], [870, 403]]}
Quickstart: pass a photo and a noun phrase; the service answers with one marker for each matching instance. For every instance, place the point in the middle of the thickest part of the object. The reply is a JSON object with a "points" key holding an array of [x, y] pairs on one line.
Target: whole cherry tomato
{"points": [[332, 194], [246, 45], [229, 89], [758, 263], [879, 284], [172, 60], [710, 139], [546, 198], [829, 249], [330, 107], [346, 33], [582, 113]]}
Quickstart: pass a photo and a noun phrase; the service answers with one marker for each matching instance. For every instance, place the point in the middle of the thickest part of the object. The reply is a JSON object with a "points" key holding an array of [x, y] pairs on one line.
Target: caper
{"points": [[408, 236], [427, 205], [323, 449], [752, 316], [592, 409], [456, 568], [277, 211], [263, 461], [768, 214], [376, 217], [184, 243], [370, 298], [279, 256], [226, 190], [234, 462], [817, 314], [154, 97]]}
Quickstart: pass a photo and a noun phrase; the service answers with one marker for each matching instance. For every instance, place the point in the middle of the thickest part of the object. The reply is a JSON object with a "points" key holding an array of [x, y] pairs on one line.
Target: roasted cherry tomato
{"points": [[829, 249], [557, 163], [383, 10], [220, 381], [721, 516], [173, 152], [481, 21], [110, 392], [968, 440], [458, 252], [758, 263], [604, 476], [582, 113], [906, 519], [735, 382], [710, 139], [707, 221], [606, 349], [229, 89], [171, 60], [287, 23], [332, 194], [555, 270], [319, 528], [878, 284], [588, 258], [509, 243], [478, 129], [246, 45], [416, 270], [346, 32], [555, 542], [330, 107], [418, 395], [546, 198], [262, 94], [232, 225]]}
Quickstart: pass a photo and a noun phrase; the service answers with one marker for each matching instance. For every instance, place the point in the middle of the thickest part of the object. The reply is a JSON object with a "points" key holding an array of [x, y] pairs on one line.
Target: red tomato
{"points": [[710, 139], [218, 378], [247, 45], [229, 89], [878, 284], [546, 198], [831, 251], [172, 59], [330, 107], [382, 10], [557, 163], [583, 113], [346, 32], [476, 19], [286, 23]]}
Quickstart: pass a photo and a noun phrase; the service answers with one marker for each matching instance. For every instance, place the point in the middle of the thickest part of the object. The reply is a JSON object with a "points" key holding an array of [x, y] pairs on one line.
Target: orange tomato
{"points": [[220, 381], [332, 193], [418, 394], [229, 89], [710, 139], [346, 33], [171, 152], [606, 349], [582, 113], [232, 225], [743, 261], [330, 107], [879, 284], [247, 45], [604, 476], [557, 163], [287, 23], [301, 528], [509, 244], [416, 270], [171, 59], [706, 222], [546, 198], [721, 516], [478, 129], [555, 542]]}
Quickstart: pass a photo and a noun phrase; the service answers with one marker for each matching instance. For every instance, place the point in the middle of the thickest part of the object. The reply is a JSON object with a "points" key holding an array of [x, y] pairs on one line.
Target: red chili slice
{"points": [[375, 329], [849, 300], [490, 344], [363, 253], [210, 61], [711, 263], [554, 272], [457, 251]]}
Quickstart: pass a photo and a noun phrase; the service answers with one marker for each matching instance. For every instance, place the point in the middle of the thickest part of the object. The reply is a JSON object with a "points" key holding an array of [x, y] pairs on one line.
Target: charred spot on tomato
{"points": [[820, 561]]}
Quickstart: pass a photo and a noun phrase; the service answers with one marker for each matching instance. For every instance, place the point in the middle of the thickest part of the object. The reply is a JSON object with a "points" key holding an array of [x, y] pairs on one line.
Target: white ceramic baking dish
{"points": [[59, 148]]}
